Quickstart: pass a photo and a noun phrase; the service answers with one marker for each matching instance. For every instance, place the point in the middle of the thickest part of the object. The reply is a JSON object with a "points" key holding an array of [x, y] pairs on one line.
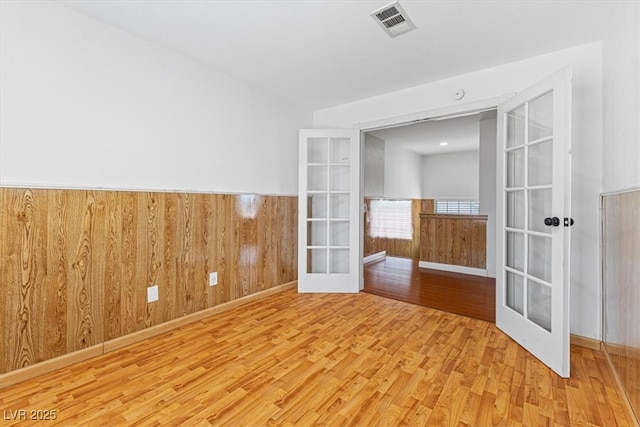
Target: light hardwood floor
{"points": [[303, 359]]}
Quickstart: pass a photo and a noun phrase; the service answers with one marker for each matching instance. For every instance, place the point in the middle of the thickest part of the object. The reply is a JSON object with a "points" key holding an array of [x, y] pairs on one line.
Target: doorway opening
{"points": [[418, 178]]}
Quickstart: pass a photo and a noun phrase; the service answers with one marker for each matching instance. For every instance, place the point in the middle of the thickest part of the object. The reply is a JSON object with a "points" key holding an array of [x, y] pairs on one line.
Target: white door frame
{"points": [[434, 113]]}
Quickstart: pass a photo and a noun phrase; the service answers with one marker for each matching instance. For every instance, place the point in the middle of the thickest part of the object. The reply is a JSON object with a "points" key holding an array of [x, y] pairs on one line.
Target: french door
{"points": [[329, 211], [534, 219]]}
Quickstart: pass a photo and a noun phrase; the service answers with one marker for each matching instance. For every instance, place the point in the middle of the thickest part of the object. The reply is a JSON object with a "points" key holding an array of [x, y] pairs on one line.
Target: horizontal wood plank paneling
{"points": [[454, 239], [75, 265], [621, 255], [398, 247]]}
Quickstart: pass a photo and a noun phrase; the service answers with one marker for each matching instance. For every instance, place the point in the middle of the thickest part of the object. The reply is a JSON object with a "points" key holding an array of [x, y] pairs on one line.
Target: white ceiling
{"points": [[323, 53], [461, 134]]}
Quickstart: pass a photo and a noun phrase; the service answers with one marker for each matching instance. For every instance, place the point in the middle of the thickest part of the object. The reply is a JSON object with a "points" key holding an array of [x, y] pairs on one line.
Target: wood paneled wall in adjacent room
{"points": [[454, 239], [621, 256], [398, 247], [75, 265]]}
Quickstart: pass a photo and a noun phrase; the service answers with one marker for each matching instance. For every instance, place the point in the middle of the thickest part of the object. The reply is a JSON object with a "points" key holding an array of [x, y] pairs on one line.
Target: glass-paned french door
{"points": [[532, 303], [329, 191]]}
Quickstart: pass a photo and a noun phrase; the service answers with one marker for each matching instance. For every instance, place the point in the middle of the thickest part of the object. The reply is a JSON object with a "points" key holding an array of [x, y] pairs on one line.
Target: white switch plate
{"points": [[213, 278], [152, 293]]}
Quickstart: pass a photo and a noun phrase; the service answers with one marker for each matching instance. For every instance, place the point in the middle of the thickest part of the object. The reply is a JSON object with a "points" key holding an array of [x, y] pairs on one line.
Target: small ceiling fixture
{"points": [[444, 143], [393, 19]]}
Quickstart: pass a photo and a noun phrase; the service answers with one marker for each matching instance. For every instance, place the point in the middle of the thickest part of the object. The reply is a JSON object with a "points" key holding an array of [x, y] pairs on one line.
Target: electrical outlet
{"points": [[152, 293], [213, 278]]}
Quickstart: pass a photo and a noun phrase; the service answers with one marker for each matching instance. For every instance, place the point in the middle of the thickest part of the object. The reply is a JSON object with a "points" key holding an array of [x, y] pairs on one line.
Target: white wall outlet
{"points": [[213, 278], [152, 293]]}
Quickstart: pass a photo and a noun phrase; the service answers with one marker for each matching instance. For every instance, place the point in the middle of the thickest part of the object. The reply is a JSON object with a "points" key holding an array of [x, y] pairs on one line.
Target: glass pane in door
{"points": [[539, 304], [515, 127], [515, 250], [515, 168], [540, 159], [339, 178], [317, 178], [317, 233], [339, 261], [339, 233], [539, 209], [317, 261], [339, 206], [515, 292], [539, 257], [541, 117], [339, 150], [317, 150], [515, 210], [317, 206]]}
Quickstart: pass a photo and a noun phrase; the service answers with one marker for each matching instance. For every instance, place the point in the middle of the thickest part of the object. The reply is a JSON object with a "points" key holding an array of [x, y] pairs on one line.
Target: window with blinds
{"points": [[458, 207], [390, 219]]}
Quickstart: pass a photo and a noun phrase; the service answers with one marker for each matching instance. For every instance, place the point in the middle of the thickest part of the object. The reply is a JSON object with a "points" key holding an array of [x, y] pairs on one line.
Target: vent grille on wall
{"points": [[393, 19]]}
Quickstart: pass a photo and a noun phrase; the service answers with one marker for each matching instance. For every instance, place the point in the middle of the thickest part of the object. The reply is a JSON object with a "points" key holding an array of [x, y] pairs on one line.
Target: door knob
{"points": [[555, 221]]}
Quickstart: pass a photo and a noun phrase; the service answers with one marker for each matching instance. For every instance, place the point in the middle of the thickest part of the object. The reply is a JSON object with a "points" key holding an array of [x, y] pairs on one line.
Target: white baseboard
{"points": [[374, 257], [454, 268]]}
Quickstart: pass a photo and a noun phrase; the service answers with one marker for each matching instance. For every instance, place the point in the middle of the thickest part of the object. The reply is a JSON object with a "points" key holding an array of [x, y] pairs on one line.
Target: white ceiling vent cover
{"points": [[393, 19]]}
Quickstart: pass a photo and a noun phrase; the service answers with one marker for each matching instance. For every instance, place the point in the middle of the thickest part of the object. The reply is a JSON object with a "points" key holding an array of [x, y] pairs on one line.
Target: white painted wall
{"points": [[621, 156], [402, 173], [390, 171], [621, 83], [87, 105], [373, 164], [586, 61], [451, 175], [487, 186]]}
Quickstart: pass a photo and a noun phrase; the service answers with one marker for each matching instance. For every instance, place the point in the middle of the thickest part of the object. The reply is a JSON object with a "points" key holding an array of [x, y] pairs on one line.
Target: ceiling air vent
{"points": [[393, 19]]}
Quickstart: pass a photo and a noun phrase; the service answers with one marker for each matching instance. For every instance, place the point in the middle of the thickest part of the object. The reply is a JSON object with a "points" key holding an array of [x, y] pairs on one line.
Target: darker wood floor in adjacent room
{"points": [[402, 279]]}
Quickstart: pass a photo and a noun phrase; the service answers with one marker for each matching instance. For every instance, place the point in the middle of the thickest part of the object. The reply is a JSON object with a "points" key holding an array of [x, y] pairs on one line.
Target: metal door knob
{"points": [[555, 221]]}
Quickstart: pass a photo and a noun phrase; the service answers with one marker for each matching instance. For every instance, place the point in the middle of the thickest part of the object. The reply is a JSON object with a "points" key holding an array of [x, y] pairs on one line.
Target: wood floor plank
{"points": [[306, 359], [402, 279]]}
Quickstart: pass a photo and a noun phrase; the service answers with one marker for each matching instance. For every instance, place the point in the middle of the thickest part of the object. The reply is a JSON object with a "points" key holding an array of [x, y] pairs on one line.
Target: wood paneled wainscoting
{"points": [[405, 248], [75, 265], [621, 257], [454, 242]]}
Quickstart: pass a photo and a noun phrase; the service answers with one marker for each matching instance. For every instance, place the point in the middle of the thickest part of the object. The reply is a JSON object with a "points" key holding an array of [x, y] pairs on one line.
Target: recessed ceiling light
{"points": [[443, 143]]}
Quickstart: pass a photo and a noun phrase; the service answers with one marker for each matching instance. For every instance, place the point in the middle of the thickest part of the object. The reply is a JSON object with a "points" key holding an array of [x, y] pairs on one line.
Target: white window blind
{"points": [[459, 207], [391, 219]]}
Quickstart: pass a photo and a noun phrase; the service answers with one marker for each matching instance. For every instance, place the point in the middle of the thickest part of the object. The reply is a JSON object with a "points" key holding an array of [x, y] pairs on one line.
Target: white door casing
{"points": [[533, 200]]}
